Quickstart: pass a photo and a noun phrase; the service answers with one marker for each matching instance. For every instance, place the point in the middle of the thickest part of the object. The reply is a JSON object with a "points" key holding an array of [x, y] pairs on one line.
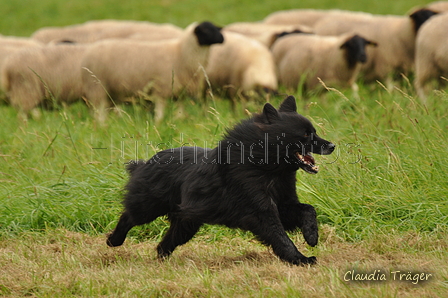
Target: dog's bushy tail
{"points": [[134, 164]]}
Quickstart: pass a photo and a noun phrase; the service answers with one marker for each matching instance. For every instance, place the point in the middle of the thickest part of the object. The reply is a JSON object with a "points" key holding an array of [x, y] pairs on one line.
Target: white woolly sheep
{"points": [[31, 74], [12, 44], [18, 41], [241, 64], [395, 36], [437, 6], [264, 33], [307, 17], [336, 60], [163, 69], [137, 29], [92, 31], [431, 59]]}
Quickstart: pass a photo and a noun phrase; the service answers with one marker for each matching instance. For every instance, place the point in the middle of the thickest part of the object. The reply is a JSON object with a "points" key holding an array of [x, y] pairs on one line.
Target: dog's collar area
{"points": [[308, 163]]}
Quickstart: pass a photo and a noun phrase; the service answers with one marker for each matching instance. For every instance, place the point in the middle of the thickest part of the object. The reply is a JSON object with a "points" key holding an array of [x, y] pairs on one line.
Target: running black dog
{"points": [[248, 181]]}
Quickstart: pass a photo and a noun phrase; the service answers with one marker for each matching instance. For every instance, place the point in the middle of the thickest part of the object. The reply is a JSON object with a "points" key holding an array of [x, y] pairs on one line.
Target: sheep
{"points": [[438, 6], [137, 29], [264, 33], [431, 60], [333, 59], [395, 36], [307, 17], [78, 33], [162, 69], [92, 31], [31, 74], [241, 64], [12, 44], [17, 41]]}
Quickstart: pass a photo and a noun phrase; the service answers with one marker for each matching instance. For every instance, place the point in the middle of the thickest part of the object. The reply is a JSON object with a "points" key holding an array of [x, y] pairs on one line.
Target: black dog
{"points": [[247, 182]]}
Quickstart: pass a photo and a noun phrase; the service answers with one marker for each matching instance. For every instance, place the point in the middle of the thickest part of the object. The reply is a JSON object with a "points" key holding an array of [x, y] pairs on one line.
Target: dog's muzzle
{"points": [[328, 149], [307, 162]]}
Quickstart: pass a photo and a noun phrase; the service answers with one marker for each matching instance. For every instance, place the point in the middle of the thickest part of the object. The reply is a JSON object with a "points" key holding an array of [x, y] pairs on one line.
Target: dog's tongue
{"points": [[309, 159]]}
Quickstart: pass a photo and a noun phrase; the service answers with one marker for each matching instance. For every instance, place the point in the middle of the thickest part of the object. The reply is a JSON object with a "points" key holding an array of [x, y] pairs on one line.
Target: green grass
{"points": [[389, 169], [25, 16], [381, 198]]}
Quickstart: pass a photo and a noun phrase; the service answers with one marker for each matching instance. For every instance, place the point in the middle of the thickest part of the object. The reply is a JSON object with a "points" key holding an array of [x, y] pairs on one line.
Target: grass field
{"points": [[381, 198]]}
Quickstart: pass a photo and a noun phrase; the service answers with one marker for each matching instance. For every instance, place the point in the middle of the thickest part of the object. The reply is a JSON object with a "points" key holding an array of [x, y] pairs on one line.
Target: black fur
{"points": [[286, 33], [421, 16], [208, 34], [355, 50], [248, 181]]}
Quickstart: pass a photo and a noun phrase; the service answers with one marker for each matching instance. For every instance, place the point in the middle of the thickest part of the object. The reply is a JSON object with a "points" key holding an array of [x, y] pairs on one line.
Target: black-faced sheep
{"points": [[307, 57], [96, 30], [395, 36], [241, 64], [162, 69], [31, 74], [431, 54], [264, 33]]}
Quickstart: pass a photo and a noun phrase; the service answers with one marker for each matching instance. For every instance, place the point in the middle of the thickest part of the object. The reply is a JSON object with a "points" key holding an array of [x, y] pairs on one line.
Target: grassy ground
{"points": [[66, 264], [381, 198], [381, 202]]}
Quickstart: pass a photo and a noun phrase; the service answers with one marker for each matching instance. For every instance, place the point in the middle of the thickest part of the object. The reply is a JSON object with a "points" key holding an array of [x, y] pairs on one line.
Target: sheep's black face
{"points": [[208, 34], [420, 16], [355, 50]]}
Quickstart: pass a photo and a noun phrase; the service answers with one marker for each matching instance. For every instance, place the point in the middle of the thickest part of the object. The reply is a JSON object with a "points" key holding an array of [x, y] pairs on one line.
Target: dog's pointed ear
{"points": [[288, 105], [270, 113]]}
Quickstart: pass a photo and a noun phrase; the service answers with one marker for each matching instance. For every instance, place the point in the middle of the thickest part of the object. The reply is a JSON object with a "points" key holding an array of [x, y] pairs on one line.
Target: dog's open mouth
{"points": [[308, 163]]}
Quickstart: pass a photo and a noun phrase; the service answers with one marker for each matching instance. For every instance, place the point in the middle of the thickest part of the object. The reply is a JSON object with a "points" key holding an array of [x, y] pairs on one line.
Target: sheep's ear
{"points": [[288, 105], [270, 114], [371, 43]]}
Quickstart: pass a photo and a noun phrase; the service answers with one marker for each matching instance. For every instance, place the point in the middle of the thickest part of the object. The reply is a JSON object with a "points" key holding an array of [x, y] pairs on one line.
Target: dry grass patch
{"points": [[62, 263]]}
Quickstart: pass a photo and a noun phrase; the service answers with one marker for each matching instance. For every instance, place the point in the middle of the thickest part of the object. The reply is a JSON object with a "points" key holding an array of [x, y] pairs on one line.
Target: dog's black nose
{"points": [[331, 147]]}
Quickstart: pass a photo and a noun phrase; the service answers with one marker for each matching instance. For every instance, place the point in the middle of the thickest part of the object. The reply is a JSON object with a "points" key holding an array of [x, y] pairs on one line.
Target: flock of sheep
{"points": [[104, 62]]}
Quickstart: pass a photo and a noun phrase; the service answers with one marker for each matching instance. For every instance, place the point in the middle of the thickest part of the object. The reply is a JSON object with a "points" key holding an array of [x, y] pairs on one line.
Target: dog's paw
{"points": [[112, 241], [307, 261], [311, 234], [311, 238], [162, 254]]}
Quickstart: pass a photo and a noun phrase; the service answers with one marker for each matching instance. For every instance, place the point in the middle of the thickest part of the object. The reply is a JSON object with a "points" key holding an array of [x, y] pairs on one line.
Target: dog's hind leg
{"points": [[180, 232], [130, 218], [116, 238]]}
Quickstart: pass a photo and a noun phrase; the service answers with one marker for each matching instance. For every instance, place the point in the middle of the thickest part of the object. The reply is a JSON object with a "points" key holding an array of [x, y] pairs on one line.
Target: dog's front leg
{"points": [[308, 223], [303, 216], [269, 230]]}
